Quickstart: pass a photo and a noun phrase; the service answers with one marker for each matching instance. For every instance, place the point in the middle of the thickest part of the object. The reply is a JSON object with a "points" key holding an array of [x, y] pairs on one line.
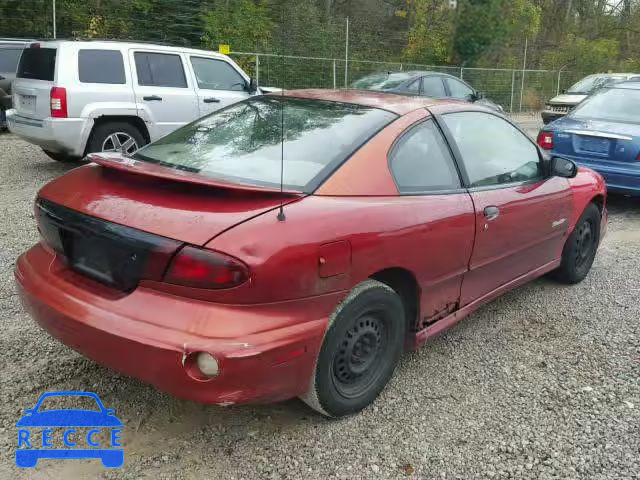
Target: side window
{"points": [[493, 151], [459, 90], [421, 162], [433, 87], [414, 87], [214, 74], [101, 66], [160, 70]]}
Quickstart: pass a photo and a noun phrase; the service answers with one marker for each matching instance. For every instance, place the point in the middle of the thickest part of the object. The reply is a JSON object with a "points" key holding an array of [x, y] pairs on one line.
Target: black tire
{"points": [[581, 247], [360, 351], [104, 130], [61, 157]]}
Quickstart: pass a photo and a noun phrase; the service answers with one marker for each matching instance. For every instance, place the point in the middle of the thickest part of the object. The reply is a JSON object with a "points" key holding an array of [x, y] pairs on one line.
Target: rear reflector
{"points": [[545, 140], [199, 268], [58, 102]]}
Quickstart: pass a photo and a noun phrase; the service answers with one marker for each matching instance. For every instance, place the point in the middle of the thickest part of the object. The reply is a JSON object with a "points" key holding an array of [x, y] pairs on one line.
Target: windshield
{"points": [[243, 143], [381, 81], [593, 82], [9, 59], [616, 104]]}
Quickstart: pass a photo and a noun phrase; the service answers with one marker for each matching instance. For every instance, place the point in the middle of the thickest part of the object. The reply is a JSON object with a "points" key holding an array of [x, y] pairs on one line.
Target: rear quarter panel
{"points": [[588, 186]]}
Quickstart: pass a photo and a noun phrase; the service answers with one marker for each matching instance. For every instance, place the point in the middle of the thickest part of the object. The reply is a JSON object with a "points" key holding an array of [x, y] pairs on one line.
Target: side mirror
{"points": [[477, 96], [2, 78], [564, 90], [252, 86], [563, 167]]}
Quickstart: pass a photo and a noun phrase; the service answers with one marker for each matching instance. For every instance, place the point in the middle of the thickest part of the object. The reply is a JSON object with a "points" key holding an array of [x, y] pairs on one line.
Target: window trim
{"points": [[396, 144], [439, 118], [146, 52], [195, 75]]}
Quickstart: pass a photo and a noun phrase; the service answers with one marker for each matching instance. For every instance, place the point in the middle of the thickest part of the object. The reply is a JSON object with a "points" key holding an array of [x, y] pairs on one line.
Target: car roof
{"points": [[133, 44], [397, 103], [631, 85]]}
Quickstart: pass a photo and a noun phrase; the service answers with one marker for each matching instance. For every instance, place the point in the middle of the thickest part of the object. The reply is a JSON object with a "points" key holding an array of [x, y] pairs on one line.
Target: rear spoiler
{"points": [[123, 163]]}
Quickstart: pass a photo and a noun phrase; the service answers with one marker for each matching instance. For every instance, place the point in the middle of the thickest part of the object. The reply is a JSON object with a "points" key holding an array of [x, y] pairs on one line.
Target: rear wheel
{"points": [[121, 137], [61, 157], [580, 249], [360, 351]]}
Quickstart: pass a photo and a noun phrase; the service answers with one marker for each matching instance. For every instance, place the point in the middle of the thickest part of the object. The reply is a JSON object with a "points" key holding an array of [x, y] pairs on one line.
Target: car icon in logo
{"points": [[32, 447]]}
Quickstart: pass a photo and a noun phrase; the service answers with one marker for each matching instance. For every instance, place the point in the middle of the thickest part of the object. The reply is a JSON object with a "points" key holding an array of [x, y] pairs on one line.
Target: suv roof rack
{"points": [[115, 40]]}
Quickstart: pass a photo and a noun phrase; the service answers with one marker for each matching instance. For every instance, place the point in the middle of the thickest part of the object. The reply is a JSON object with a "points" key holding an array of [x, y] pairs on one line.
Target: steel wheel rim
{"points": [[357, 362], [120, 142], [585, 240]]}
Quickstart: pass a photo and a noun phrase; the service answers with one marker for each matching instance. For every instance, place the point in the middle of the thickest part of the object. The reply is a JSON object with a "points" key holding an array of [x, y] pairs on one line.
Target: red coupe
{"points": [[295, 245]]}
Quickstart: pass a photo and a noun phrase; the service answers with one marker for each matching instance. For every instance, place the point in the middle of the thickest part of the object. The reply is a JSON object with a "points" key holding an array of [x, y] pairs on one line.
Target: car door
{"points": [[432, 86], [218, 83], [441, 243], [164, 94], [522, 214]]}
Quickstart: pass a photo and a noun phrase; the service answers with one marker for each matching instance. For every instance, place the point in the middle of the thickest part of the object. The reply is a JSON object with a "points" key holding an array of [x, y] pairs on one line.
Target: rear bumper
{"points": [[265, 352], [619, 177], [549, 116], [60, 135]]}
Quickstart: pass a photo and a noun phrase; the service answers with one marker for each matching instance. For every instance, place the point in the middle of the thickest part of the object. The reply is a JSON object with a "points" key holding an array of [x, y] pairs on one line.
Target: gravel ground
{"points": [[542, 383]]}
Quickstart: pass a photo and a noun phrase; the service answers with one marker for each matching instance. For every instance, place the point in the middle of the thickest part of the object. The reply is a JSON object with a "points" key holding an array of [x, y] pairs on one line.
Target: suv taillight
{"points": [[58, 102], [545, 140], [200, 268]]}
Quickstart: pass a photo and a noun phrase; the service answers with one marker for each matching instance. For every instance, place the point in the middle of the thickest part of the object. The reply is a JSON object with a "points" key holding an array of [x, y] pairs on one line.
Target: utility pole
{"points": [[524, 67], [54, 19], [346, 56]]}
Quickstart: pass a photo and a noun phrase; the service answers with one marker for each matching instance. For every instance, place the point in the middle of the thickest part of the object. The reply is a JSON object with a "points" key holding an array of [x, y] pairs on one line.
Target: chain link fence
{"points": [[516, 90]]}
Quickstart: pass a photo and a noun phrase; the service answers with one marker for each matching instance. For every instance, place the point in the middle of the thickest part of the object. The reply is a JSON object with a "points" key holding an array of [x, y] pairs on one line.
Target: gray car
{"points": [[560, 105], [10, 51], [424, 83]]}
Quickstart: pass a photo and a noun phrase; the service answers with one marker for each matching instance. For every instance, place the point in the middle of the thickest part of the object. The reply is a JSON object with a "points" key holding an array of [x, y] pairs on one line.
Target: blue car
{"points": [[64, 420], [602, 133]]}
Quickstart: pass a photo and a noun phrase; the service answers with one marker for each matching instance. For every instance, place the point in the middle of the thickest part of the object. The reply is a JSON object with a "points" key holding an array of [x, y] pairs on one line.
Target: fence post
{"points": [[257, 69], [524, 68], [335, 82], [461, 73], [513, 88], [400, 67]]}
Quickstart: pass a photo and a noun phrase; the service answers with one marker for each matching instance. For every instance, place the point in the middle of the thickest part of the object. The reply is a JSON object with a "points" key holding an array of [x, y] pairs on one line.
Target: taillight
{"points": [[545, 140], [58, 102], [199, 268]]}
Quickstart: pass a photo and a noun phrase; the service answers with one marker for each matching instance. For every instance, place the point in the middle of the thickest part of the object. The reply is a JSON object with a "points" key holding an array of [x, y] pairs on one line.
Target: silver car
{"points": [[76, 97], [10, 50], [560, 105]]}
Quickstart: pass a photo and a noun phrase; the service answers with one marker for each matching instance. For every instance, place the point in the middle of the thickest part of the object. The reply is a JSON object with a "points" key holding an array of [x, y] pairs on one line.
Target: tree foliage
{"points": [[589, 35]]}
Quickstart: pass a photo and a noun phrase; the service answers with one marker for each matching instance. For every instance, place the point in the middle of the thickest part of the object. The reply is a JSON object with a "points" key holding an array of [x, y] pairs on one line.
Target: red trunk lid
{"points": [[183, 209]]}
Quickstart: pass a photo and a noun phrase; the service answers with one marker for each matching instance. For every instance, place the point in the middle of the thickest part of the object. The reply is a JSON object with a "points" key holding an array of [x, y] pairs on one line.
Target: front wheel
{"points": [[360, 351], [580, 249]]}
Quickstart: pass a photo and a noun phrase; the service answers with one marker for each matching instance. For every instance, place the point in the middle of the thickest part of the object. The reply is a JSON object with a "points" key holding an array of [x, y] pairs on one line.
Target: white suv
{"points": [[76, 97]]}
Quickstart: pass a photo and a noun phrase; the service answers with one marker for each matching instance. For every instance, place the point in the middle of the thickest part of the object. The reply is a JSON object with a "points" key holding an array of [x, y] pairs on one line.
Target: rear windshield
{"points": [[382, 81], [243, 143], [615, 104], [37, 64], [9, 59]]}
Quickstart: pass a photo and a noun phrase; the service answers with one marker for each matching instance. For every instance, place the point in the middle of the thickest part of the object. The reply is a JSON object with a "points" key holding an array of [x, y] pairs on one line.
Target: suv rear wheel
{"points": [[119, 137]]}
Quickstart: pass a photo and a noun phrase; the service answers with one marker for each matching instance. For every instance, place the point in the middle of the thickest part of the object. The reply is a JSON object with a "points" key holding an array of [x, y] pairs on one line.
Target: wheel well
{"points": [[133, 120], [598, 201], [404, 283]]}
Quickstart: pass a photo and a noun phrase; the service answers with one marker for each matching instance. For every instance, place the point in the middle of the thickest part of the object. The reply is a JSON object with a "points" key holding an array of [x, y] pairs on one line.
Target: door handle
{"points": [[491, 213], [152, 98], [211, 100]]}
